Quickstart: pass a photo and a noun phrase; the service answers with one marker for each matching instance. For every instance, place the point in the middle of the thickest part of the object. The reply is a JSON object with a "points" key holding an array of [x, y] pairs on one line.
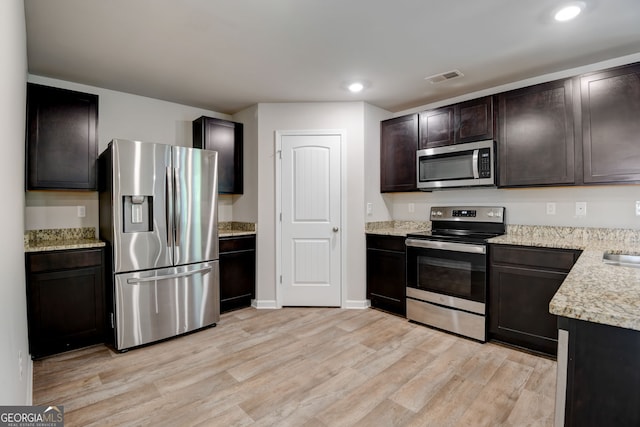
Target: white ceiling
{"points": [[225, 55]]}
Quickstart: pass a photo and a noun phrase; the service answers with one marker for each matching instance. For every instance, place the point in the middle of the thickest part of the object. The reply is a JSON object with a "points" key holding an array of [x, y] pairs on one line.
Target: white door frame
{"points": [[343, 191]]}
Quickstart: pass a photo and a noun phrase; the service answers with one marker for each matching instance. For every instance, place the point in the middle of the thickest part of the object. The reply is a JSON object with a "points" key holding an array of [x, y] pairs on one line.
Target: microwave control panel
{"points": [[484, 163]]}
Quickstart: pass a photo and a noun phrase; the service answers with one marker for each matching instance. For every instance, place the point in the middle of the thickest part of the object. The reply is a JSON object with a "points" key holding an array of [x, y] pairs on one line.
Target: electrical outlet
{"points": [[637, 207], [20, 369], [581, 208], [369, 208], [551, 208], [82, 211], [412, 207]]}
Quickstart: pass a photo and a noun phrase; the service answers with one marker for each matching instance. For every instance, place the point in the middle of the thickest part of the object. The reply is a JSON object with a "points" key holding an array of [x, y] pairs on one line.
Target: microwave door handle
{"points": [[476, 174]]}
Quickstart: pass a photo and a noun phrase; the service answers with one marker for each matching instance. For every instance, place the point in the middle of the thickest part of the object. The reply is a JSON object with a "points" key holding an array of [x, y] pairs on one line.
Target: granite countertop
{"points": [[81, 238], [235, 228], [593, 291], [396, 228], [61, 239]]}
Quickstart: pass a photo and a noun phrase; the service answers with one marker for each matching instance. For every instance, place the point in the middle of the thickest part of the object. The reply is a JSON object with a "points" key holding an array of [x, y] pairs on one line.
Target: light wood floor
{"points": [[302, 367]]}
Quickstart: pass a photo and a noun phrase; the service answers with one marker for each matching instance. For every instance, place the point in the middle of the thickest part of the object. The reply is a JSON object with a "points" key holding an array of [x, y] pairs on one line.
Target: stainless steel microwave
{"points": [[460, 165]]}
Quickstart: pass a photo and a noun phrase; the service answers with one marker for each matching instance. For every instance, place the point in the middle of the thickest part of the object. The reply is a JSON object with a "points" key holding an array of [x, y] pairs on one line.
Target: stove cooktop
{"points": [[464, 224], [459, 237]]}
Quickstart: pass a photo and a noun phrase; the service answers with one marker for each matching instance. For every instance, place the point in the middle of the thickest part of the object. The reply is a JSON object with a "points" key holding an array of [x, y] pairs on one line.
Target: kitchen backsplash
{"points": [[611, 206], [59, 209]]}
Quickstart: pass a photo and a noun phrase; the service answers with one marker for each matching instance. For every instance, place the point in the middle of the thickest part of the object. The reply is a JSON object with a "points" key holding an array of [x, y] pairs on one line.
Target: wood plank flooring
{"points": [[302, 367]]}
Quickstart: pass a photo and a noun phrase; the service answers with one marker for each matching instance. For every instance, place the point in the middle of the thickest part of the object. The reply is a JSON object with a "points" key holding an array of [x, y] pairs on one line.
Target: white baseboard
{"points": [[349, 304], [357, 304], [264, 304]]}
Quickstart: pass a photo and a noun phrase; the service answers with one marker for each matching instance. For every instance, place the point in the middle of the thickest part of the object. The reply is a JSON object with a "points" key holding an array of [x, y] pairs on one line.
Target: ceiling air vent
{"points": [[438, 78]]}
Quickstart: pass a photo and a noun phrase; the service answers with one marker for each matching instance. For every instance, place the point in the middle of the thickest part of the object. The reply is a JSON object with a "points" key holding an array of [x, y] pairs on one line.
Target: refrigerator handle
{"points": [[176, 204], [169, 206], [169, 276]]}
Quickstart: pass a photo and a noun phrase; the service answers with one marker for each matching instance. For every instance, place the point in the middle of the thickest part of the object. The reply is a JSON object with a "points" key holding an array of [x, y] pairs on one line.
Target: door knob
{"points": [[335, 229]]}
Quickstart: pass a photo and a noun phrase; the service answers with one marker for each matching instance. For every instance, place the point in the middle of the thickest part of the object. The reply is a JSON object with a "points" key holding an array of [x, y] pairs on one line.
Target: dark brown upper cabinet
{"points": [[464, 122], [474, 120], [61, 139], [398, 146], [536, 135], [226, 138], [610, 105], [437, 127]]}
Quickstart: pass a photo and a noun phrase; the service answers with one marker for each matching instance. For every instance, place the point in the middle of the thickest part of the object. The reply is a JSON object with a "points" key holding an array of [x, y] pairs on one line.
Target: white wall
{"points": [[120, 115], [381, 208], [607, 206], [299, 116], [245, 206], [14, 388]]}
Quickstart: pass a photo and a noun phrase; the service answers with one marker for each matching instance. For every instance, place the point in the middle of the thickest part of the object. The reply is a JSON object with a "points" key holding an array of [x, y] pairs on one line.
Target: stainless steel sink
{"points": [[624, 260]]}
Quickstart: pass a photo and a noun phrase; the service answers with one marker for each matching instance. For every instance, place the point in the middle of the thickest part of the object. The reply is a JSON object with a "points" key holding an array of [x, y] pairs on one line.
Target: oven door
{"points": [[457, 270]]}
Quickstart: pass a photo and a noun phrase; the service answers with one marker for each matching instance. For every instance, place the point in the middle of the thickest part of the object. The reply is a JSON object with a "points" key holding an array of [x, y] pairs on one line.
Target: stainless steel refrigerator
{"points": [[158, 215]]}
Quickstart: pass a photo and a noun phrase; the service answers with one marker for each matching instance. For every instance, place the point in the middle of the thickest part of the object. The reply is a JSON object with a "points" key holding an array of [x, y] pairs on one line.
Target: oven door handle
{"points": [[446, 246]]}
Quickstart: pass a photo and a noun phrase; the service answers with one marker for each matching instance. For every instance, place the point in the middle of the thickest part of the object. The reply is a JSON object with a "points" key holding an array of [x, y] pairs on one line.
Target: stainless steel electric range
{"points": [[447, 269]]}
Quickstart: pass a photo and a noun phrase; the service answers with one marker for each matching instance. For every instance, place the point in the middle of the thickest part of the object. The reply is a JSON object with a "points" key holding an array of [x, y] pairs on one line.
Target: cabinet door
{"points": [[65, 300], [474, 120], [603, 374], [226, 138], [237, 272], [62, 145], [519, 307], [437, 127], [611, 125], [536, 140], [386, 275], [398, 146]]}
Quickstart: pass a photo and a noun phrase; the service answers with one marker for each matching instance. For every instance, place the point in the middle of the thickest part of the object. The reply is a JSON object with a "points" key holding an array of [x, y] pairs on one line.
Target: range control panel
{"points": [[465, 213], [471, 213]]}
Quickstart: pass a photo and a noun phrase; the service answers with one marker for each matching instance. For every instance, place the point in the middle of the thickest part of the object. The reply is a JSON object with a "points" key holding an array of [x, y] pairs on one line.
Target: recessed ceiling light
{"points": [[568, 11], [355, 87]]}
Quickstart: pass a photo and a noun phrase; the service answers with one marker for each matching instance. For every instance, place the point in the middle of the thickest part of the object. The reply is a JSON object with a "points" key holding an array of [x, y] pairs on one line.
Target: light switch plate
{"points": [[412, 207], [581, 208]]}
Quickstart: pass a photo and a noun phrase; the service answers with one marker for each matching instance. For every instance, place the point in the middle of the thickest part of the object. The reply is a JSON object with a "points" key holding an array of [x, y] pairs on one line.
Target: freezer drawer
{"points": [[157, 304]]}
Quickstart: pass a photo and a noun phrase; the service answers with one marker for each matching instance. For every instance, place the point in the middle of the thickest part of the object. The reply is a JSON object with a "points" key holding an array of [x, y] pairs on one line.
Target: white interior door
{"points": [[310, 181]]}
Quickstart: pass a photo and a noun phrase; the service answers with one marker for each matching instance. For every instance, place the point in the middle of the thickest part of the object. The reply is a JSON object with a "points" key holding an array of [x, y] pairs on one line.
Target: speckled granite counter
{"points": [[61, 239], [396, 228], [235, 228], [593, 291]]}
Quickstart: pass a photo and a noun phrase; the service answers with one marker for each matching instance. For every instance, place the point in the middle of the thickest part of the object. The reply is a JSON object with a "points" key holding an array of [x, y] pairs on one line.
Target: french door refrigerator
{"points": [[158, 215]]}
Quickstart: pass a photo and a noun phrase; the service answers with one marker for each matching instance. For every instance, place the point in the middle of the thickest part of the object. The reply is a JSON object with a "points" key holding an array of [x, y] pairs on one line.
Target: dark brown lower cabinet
{"points": [[237, 272], [523, 280], [65, 300], [602, 374], [386, 273]]}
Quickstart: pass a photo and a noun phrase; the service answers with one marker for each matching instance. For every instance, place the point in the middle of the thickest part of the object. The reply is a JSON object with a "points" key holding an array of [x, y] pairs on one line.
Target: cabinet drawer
{"points": [[555, 259], [234, 244], [62, 260], [389, 243]]}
